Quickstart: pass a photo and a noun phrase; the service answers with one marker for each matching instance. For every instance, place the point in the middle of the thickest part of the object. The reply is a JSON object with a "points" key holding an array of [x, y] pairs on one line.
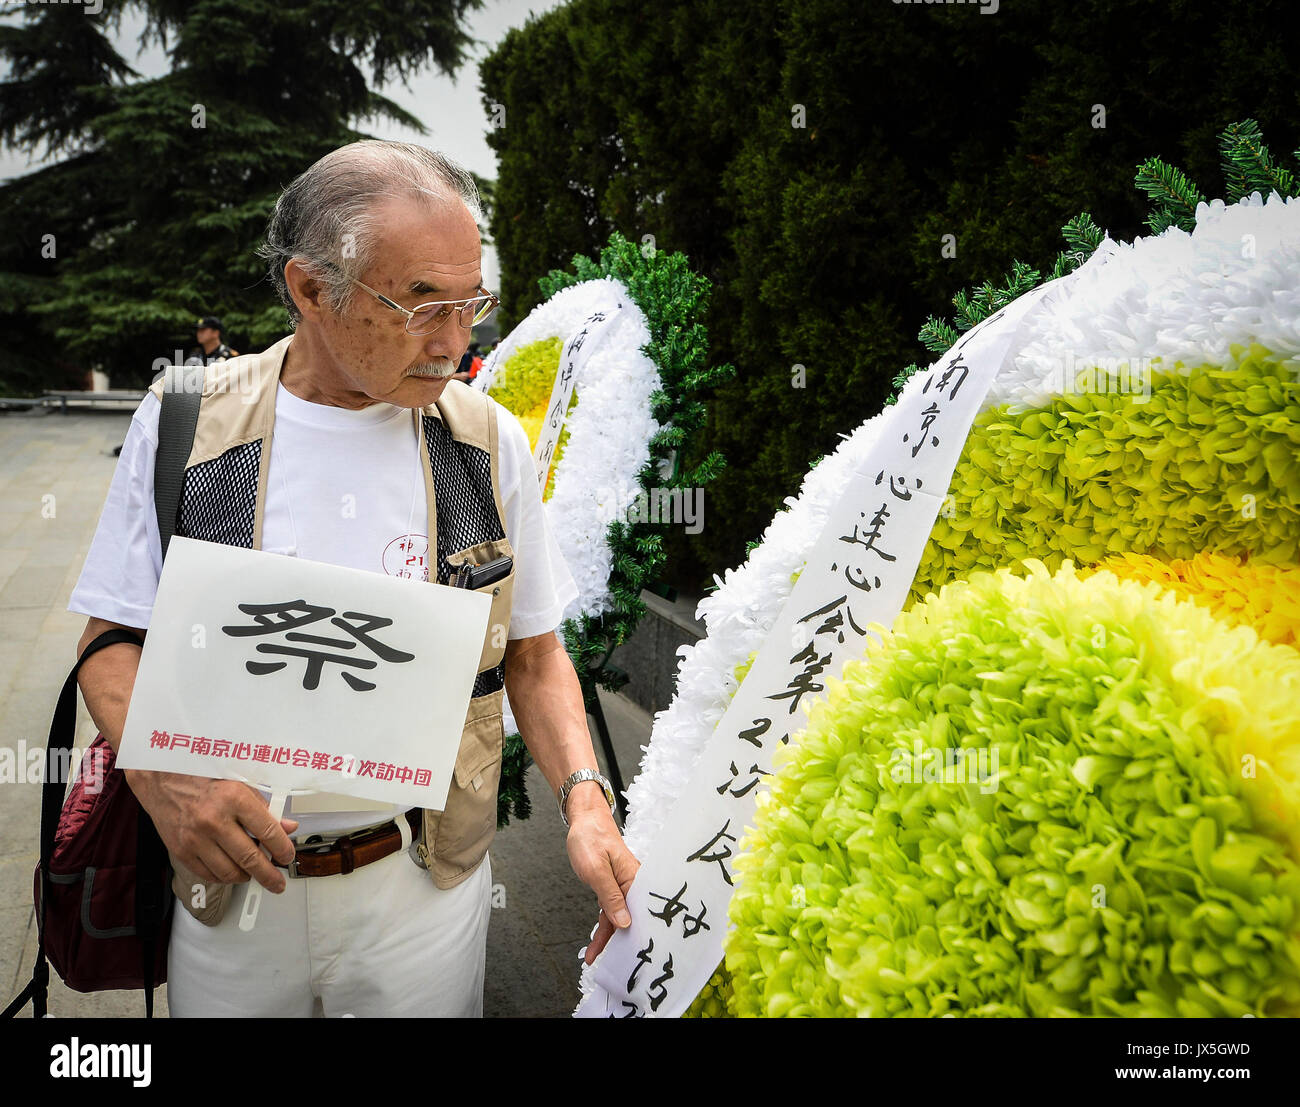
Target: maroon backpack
{"points": [[103, 902]]}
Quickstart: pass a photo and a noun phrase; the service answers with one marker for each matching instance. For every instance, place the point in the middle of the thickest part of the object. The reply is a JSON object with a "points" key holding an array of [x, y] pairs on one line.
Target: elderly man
{"points": [[375, 252]]}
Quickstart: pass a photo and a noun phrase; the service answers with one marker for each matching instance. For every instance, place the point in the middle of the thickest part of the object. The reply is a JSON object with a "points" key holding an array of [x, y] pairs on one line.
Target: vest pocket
{"points": [[461, 833], [215, 898], [501, 592]]}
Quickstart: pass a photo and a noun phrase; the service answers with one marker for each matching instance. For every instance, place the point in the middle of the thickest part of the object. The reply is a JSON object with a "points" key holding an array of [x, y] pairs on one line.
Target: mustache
{"points": [[443, 367]]}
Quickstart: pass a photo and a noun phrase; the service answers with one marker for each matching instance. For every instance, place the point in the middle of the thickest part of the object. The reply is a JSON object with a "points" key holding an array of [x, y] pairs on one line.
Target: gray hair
{"points": [[326, 214]]}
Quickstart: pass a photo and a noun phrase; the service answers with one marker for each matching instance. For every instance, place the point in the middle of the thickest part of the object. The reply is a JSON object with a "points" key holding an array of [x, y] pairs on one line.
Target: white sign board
{"points": [[859, 573], [297, 675]]}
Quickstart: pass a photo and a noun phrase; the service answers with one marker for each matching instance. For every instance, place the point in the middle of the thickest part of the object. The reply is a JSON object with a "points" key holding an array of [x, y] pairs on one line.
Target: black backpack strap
{"points": [[152, 901], [29, 992], [182, 394], [177, 419]]}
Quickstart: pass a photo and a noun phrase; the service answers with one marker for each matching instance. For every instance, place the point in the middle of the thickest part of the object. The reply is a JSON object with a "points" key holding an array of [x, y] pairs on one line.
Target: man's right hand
{"points": [[206, 823]]}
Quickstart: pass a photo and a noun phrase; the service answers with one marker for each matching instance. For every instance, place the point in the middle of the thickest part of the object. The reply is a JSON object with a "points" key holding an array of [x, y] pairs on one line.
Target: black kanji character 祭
{"points": [[720, 855], [272, 618]]}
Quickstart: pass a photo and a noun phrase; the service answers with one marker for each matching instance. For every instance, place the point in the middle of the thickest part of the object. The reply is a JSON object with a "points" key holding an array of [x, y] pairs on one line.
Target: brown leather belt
{"points": [[350, 851]]}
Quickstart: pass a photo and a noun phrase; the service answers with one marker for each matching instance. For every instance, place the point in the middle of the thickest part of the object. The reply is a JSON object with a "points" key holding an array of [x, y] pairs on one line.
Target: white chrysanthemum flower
{"points": [[1191, 298]]}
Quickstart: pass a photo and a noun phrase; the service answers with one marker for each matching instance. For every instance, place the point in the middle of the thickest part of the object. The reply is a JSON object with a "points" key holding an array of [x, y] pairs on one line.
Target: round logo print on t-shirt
{"points": [[407, 556]]}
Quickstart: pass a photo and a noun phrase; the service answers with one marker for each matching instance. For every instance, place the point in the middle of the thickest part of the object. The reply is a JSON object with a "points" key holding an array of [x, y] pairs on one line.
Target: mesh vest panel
{"points": [[219, 500], [467, 514]]}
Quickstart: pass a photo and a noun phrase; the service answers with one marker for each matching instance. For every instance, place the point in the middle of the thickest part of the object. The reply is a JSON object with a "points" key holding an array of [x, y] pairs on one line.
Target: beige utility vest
{"points": [[223, 500]]}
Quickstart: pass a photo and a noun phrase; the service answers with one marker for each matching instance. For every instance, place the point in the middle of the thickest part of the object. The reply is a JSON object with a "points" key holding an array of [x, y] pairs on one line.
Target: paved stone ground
{"points": [[54, 473]]}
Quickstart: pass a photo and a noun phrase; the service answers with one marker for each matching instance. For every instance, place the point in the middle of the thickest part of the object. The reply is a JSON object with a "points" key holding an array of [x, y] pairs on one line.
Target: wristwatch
{"points": [[578, 778]]}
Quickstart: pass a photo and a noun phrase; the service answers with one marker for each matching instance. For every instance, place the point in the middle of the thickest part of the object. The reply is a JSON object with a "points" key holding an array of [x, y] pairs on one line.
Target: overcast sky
{"points": [[451, 109]]}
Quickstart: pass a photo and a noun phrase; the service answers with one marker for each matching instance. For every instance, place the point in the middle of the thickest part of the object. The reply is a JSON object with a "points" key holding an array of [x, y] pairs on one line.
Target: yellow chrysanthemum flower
{"points": [[1238, 590]]}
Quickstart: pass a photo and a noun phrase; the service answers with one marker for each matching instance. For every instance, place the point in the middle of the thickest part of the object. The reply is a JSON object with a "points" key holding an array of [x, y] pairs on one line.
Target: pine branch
{"points": [[900, 379], [1082, 237], [1247, 165], [967, 313], [1173, 196], [1082, 233], [937, 335]]}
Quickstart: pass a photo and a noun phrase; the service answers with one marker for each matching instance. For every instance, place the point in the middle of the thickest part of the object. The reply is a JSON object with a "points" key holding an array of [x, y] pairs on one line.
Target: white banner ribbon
{"points": [[859, 572], [595, 328]]}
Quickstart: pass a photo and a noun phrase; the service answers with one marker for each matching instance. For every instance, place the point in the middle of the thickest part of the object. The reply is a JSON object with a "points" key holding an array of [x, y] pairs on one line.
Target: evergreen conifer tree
{"points": [[151, 216]]}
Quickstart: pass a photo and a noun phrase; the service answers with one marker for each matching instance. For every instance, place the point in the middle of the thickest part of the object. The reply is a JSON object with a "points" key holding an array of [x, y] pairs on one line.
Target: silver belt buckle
{"points": [[310, 847], [417, 850]]}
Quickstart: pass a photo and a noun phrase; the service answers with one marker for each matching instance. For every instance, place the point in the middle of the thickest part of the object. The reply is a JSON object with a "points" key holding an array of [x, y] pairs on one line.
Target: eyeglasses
{"points": [[427, 318]]}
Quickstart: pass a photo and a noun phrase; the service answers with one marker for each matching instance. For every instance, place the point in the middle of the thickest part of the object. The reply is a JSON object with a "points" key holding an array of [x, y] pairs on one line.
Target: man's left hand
{"points": [[551, 716], [601, 860]]}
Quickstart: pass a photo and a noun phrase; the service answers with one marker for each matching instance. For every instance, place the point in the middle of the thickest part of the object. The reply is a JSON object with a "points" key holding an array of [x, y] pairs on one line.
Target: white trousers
{"points": [[382, 941]]}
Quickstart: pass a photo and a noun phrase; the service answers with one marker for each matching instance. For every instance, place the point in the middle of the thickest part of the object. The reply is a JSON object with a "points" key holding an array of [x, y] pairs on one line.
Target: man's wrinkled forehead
{"points": [[430, 249]]}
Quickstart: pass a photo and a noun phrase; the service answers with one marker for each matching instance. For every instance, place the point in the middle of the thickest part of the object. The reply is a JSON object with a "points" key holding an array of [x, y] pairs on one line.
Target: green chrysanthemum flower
{"points": [[1209, 461], [714, 1000], [1116, 835]]}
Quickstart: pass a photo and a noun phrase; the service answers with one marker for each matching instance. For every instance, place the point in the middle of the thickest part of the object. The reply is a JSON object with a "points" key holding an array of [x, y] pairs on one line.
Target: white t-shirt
{"points": [[343, 487]]}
